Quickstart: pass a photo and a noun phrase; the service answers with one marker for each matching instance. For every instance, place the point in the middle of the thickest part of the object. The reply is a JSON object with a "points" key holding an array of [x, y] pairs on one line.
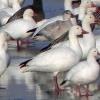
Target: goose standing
{"points": [[61, 59], [20, 28], [84, 72], [88, 41]]}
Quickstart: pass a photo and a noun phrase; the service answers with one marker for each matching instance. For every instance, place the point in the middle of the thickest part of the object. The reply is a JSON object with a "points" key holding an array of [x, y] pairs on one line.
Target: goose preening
{"points": [[84, 73], [36, 6], [61, 59], [20, 29], [55, 27], [87, 42]]}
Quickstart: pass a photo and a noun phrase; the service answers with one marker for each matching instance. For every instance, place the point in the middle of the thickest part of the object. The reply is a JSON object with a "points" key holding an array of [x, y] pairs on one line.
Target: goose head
{"points": [[67, 15], [28, 13], [94, 52], [75, 31], [88, 20]]}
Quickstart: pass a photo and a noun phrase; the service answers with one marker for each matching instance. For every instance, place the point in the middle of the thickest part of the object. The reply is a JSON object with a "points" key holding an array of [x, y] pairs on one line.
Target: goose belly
{"points": [[56, 60], [20, 31], [82, 78]]}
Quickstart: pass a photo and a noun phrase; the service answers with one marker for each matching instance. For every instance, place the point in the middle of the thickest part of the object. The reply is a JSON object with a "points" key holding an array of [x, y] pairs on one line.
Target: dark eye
{"points": [[90, 17], [77, 28]]}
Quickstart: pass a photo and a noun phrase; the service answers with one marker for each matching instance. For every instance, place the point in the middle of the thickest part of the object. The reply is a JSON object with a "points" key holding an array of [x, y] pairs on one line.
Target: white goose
{"points": [[84, 72], [58, 59], [4, 59], [20, 28], [88, 41], [6, 13]]}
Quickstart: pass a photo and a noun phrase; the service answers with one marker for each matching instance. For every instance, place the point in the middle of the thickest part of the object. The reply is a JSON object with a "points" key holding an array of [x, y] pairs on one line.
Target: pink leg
{"points": [[88, 93], [18, 45], [57, 89]]}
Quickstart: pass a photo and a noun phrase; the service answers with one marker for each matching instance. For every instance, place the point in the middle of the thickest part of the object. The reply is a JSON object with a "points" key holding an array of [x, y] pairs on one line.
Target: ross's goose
{"points": [[84, 72], [58, 59]]}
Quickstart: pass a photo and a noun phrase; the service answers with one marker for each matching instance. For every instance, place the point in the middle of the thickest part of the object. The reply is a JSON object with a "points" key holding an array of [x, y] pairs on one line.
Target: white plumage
{"points": [[84, 72], [88, 41], [19, 28], [58, 59]]}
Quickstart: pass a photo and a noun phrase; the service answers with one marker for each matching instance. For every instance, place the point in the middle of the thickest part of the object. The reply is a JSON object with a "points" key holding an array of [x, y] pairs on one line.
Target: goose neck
{"points": [[68, 5], [16, 5], [29, 18], [74, 44], [86, 26]]}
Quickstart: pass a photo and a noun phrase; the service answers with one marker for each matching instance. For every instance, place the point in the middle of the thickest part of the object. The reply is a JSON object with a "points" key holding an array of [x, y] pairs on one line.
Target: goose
{"points": [[20, 28], [4, 58], [6, 13], [36, 6], [84, 73], [55, 27], [87, 42], [57, 62]]}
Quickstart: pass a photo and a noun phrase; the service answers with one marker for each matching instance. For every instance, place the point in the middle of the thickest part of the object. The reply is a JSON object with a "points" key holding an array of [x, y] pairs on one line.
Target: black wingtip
{"points": [[32, 30], [46, 48], [98, 60], [63, 82], [23, 64]]}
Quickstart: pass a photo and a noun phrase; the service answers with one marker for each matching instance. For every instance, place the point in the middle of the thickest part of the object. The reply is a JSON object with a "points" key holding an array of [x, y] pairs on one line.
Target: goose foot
{"points": [[83, 93]]}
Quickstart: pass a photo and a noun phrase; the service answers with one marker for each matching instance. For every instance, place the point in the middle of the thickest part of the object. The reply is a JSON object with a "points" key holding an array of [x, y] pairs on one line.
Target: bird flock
{"points": [[73, 47]]}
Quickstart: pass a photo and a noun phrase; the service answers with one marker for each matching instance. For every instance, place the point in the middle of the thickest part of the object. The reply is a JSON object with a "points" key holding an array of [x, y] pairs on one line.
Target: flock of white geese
{"points": [[73, 47]]}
